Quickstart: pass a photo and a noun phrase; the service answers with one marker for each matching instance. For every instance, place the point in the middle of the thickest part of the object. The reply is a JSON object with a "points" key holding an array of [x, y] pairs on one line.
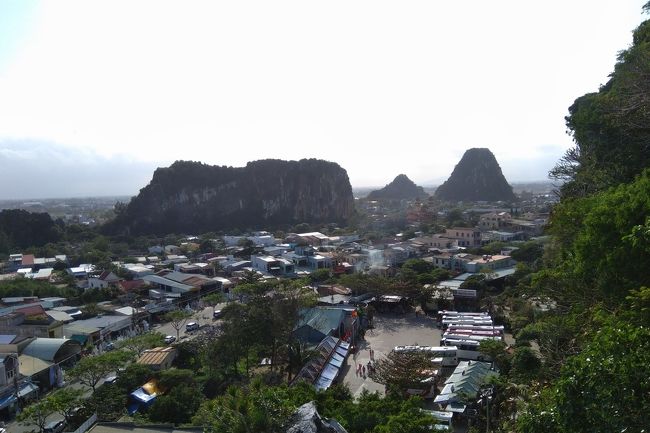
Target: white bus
{"points": [[460, 313], [495, 328], [465, 349], [444, 356], [477, 333], [471, 337], [466, 322]]}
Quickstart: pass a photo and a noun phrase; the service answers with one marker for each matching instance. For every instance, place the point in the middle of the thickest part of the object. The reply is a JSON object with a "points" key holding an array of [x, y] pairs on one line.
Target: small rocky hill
{"points": [[477, 177], [401, 188], [191, 197]]}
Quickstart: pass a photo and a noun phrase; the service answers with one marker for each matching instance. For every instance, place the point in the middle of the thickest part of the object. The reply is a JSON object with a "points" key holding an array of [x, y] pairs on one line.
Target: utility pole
{"points": [[487, 395]]}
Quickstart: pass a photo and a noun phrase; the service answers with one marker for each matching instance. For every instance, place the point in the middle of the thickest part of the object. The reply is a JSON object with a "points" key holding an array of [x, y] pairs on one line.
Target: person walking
{"points": [[363, 369]]}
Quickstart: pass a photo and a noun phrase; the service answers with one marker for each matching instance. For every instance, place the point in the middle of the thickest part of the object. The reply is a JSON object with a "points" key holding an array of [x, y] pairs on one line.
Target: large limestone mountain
{"points": [[401, 188], [477, 177], [191, 197]]}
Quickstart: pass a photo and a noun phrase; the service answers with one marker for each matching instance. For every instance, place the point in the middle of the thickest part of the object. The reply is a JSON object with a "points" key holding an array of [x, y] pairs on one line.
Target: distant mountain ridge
{"points": [[191, 197], [477, 177], [401, 188]]}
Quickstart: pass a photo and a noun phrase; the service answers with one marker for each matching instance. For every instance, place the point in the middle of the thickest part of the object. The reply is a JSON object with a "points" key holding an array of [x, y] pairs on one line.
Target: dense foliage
{"points": [[610, 127], [21, 229]]}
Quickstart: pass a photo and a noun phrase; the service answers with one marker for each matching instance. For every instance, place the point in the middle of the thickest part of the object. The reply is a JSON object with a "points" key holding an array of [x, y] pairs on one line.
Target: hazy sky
{"points": [[94, 95]]}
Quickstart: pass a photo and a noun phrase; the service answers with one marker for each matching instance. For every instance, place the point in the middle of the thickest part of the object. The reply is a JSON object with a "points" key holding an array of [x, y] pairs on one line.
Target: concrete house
{"points": [[103, 280], [469, 237]]}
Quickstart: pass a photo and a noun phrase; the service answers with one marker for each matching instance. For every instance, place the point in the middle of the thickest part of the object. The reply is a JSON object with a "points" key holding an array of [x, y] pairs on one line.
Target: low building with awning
{"points": [[109, 326]]}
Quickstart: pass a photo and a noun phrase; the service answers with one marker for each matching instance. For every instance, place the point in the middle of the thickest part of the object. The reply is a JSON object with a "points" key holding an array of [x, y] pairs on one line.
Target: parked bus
{"points": [[465, 349], [470, 333], [471, 337], [460, 313], [466, 322], [444, 356], [498, 328]]}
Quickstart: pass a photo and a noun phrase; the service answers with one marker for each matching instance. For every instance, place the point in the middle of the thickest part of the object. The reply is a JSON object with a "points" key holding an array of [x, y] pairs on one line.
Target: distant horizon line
{"points": [[118, 196]]}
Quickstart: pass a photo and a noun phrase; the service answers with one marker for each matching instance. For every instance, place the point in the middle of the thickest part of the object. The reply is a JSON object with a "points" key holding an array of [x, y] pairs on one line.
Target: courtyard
{"points": [[389, 330]]}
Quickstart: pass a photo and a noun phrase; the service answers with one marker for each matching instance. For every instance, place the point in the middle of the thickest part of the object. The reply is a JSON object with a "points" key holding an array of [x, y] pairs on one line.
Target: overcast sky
{"points": [[94, 95]]}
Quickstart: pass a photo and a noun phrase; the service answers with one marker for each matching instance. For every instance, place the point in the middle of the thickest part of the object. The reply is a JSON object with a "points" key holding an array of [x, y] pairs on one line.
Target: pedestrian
{"points": [[363, 369]]}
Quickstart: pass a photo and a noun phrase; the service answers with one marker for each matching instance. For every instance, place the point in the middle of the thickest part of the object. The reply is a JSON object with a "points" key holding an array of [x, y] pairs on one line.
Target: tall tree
{"points": [[400, 371], [92, 369], [37, 414], [66, 400], [178, 319], [142, 342]]}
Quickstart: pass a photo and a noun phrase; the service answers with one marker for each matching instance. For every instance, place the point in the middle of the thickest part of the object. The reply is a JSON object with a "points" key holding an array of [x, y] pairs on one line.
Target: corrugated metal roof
{"points": [[156, 356], [60, 316], [167, 282], [47, 348]]}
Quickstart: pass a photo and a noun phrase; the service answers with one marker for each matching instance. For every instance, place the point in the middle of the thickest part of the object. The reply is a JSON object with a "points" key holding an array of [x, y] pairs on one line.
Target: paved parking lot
{"points": [[389, 331]]}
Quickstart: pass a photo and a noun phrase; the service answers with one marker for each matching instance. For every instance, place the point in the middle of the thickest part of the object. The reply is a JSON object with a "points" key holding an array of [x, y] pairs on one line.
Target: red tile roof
{"points": [[128, 286], [28, 259]]}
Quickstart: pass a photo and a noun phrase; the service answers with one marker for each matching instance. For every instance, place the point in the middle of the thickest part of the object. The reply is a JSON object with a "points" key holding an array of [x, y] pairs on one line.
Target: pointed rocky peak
{"points": [[401, 188], [477, 177]]}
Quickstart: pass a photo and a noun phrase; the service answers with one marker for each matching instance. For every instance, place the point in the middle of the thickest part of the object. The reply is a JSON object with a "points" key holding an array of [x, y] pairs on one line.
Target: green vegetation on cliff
{"points": [[401, 188], [191, 197], [476, 177]]}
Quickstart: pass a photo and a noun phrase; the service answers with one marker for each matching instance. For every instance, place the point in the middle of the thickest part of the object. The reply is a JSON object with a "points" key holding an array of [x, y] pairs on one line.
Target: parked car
{"points": [[54, 426], [110, 379], [170, 339], [192, 326], [109, 347], [216, 314]]}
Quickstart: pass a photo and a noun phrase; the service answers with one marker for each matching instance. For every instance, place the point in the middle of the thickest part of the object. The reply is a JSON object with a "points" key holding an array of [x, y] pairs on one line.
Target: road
{"points": [[202, 317]]}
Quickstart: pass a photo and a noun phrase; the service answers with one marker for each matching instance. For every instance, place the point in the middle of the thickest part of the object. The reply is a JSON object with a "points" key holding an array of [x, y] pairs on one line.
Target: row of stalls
{"points": [[324, 368], [332, 331]]}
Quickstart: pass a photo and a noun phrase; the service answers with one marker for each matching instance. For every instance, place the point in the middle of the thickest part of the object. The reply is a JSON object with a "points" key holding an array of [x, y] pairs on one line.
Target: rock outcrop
{"points": [[477, 177], [307, 420], [401, 188], [191, 197]]}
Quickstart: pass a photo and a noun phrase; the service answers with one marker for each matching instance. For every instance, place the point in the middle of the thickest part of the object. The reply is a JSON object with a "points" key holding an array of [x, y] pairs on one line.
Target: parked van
{"points": [[192, 326]]}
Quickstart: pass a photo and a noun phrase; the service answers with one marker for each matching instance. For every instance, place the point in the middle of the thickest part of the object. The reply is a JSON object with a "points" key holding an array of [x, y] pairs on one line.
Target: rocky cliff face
{"points": [[401, 188], [191, 197], [477, 177]]}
